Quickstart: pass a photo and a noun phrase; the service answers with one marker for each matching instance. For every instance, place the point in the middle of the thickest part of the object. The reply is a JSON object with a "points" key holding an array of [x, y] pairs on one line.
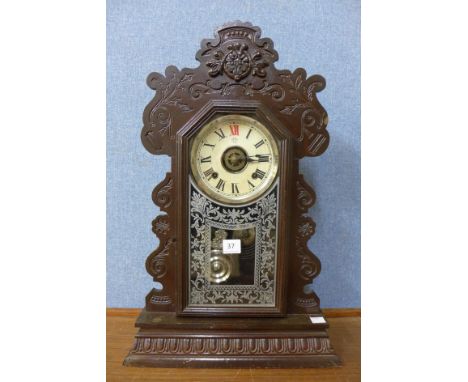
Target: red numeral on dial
{"points": [[234, 129]]}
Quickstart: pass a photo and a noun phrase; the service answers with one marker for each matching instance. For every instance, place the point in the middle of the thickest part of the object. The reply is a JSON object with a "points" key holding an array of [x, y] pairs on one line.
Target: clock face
{"points": [[234, 159]]}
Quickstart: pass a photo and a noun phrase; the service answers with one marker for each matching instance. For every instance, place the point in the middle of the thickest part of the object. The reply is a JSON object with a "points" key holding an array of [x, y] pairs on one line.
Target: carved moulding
{"points": [[226, 346], [248, 350]]}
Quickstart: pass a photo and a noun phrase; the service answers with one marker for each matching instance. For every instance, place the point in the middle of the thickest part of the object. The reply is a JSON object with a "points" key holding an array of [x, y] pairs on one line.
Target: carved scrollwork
{"points": [[157, 132], [157, 261], [305, 194], [304, 90], [158, 264], [314, 138], [198, 89], [306, 263], [162, 194], [276, 91], [236, 63], [309, 264]]}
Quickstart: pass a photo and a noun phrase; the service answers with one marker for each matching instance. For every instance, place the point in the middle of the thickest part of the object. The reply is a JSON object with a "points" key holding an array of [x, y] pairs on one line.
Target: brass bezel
{"points": [[258, 191]]}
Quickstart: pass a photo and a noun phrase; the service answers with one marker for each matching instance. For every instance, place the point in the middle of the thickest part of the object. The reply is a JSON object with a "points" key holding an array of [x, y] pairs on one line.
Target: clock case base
{"points": [[165, 340]]}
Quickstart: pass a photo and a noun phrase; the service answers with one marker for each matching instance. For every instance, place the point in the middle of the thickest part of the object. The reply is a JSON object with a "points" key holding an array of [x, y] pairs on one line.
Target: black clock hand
{"points": [[260, 158], [249, 159]]}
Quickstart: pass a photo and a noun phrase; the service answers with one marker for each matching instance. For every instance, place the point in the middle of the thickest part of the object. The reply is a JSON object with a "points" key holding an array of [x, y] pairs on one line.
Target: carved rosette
{"points": [[161, 226], [237, 62]]}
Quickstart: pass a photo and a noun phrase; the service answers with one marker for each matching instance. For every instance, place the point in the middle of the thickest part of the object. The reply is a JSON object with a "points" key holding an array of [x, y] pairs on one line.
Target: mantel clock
{"points": [[232, 270]]}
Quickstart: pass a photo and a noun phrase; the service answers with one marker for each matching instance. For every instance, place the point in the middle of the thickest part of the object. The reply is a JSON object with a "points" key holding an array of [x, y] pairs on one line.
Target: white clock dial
{"points": [[234, 158]]}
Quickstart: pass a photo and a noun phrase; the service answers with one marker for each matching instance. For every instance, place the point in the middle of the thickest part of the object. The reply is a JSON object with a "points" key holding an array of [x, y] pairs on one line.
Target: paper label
{"points": [[317, 320], [231, 246]]}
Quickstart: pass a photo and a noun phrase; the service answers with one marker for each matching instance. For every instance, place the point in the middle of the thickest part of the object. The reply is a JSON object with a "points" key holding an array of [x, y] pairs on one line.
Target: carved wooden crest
{"points": [[238, 64]]}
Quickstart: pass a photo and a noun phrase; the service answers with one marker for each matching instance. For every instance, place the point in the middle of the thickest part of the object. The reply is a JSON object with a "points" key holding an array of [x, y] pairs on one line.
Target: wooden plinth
{"points": [[165, 340]]}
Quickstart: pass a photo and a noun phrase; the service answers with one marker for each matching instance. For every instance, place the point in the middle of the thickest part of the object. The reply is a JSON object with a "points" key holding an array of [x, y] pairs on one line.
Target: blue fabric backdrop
{"points": [[144, 36]]}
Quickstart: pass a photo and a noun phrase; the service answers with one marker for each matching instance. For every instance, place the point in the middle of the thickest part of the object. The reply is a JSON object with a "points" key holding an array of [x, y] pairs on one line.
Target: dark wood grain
{"points": [[327, 312], [345, 334], [286, 103]]}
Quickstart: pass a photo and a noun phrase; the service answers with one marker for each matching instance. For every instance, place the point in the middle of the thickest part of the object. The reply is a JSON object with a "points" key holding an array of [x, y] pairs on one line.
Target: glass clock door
{"points": [[233, 214], [232, 251]]}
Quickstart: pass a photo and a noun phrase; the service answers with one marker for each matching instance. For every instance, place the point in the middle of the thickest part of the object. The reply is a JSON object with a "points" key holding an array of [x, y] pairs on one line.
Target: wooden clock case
{"points": [[236, 75]]}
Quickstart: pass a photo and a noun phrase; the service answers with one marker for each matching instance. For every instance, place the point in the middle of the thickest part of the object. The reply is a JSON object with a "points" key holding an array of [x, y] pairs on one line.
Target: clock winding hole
{"points": [[234, 159]]}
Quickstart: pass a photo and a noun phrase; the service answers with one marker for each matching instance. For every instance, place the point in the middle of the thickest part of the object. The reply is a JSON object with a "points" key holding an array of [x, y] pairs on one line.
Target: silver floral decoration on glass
{"points": [[204, 214]]}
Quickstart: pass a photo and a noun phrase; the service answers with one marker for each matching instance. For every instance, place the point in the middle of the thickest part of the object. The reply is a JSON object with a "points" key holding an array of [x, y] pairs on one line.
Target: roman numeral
{"points": [[263, 158], [208, 144], [259, 143], [220, 185], [234, 129], [220, 133], [247, 136], [235, 189], [251, 185], [206, 160], [259, 173], [208, 173]]}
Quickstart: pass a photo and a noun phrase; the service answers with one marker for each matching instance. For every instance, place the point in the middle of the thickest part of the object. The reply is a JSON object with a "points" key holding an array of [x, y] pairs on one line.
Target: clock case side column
{"points": [[160, 264], [304, 266]]}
